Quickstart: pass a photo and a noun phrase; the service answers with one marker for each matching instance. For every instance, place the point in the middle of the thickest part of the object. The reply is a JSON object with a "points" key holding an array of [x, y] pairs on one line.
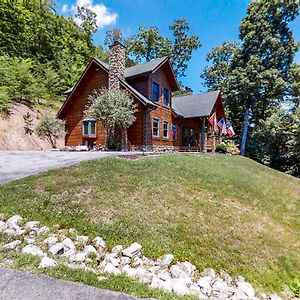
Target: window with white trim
{"points": [[155, 127], [166, 130]]}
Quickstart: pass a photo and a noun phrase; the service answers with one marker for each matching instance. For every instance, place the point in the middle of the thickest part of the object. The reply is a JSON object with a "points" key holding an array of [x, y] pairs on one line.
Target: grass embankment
{"points": [[216, 211]]}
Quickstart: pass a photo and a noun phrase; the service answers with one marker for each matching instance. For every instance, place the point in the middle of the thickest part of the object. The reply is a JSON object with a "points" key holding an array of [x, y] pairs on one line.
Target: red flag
{"points": [[213, 121]]}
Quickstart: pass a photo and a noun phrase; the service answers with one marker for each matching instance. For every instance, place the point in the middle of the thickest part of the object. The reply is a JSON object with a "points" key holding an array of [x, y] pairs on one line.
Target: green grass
{"points": [[216, 211]]}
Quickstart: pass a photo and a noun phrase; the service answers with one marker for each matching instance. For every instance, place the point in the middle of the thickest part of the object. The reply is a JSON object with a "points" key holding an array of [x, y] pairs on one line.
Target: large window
{"points": [[155, 128], [155, 91], [166, 96], [89, 128], [166, 130], [174, 132]]}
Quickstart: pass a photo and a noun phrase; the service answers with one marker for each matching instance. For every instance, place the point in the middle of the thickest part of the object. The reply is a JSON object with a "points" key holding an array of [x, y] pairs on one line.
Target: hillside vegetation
{"points": [[216, 211]]}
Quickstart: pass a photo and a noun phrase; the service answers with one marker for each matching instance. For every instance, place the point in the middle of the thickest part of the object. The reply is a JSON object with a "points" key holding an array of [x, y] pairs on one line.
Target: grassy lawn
{"points": [[216, 211]]}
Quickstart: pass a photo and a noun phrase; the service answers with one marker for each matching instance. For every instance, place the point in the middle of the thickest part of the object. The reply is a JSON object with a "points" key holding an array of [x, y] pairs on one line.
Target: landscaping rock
{"points": [[88, 249], [42, 230], [133, 250], [164, 275], [205, 284], [113, 259], [69, 252], [51, 240], [12, 245], [117, 249], [13, 229], [29, 240], [245, 290], [177, 271], [68, 243], [32, 225], [130, 272], [14, 220], [179, 287], [188, 268], [227, 278], [208, 272], [33, 250], [220, 289], [111, 269], [158, 283], [99, 242], [47, 262], [57, 249], [275, 297], [82, 239], [78, 257], [166, 260], [2, 226], [125, 260], [72, 231]]}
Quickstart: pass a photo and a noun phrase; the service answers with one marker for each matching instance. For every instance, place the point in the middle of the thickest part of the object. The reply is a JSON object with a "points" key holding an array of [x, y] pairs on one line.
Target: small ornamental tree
{"points": [[114, 108], [50, 129]]}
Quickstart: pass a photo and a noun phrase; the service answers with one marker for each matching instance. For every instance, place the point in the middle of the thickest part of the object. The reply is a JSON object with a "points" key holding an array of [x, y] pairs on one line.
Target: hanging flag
{"points": [[213, 121], [230, 130], [222, 125]]}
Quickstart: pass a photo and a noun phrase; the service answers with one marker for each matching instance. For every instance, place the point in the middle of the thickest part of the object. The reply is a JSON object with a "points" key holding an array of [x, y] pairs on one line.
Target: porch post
{"points": [[203, 145], [213, 143]]}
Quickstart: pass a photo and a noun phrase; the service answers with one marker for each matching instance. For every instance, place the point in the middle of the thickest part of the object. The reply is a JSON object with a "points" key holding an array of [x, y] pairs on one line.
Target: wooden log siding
{"points": [[163, 112], [94, 79]]}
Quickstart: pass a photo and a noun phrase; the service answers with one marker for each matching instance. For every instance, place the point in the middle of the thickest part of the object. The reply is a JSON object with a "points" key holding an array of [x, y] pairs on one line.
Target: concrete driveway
{"points": [[19, 285], [18, 164]]}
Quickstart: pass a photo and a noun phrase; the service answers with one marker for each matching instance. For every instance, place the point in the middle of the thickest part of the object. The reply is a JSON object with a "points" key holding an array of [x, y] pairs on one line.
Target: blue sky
{"points": [[214, 21]]}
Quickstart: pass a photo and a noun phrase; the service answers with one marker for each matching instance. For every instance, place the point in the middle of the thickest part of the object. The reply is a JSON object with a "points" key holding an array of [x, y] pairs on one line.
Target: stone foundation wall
{"points": [[154, 148]]}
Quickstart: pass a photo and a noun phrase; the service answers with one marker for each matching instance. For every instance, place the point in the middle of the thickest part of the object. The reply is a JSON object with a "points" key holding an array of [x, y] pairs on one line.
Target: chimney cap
{"points": [[115, 43]]}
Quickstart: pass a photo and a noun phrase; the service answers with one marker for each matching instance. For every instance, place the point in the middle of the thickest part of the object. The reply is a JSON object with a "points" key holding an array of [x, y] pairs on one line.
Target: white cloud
{"points": [[104, 16], [65, 8]]}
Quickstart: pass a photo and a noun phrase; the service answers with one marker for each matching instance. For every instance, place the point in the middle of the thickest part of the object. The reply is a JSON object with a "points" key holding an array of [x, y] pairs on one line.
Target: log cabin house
{"points": [[163, 122]]}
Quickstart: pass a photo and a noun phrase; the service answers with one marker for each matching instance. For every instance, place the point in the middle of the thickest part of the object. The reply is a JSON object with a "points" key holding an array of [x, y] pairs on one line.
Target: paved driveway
{"points": [[18, 164], [19, 285]]}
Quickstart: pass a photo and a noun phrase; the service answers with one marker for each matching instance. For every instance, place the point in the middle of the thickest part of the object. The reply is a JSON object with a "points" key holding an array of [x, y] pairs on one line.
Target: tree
{"points": [[148, 44], [114, 109], [254, 74], [114, 35], [276, 140], [50, 129], [182, 46]]}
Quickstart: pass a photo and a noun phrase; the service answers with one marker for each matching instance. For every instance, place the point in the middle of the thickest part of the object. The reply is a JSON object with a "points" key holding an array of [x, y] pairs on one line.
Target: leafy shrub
{"points": [[227, 147], [50, 129], [232, 148], [221, 148], [295, 287]]}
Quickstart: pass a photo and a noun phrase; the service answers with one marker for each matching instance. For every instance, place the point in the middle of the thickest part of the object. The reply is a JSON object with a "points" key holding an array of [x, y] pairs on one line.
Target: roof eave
{"points": [[60, 112]]}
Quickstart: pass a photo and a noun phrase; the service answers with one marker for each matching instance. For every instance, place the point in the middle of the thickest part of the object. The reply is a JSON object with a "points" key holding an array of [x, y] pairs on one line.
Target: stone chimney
{"points": [[116, 65]]}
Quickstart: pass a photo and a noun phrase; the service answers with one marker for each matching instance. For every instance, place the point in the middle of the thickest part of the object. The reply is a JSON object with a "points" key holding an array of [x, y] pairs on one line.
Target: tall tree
{"points": [[149, 44], [114, 35], [182, 46], [254, 76]]}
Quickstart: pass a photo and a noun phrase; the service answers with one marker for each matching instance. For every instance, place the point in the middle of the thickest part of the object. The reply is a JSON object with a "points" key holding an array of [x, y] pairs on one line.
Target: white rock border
{"points": [[75, 251]]}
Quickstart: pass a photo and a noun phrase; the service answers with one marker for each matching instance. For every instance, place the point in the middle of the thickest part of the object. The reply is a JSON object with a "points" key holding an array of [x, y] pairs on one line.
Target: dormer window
{"points": [[155, 91], [166, 94], [89, 128]]}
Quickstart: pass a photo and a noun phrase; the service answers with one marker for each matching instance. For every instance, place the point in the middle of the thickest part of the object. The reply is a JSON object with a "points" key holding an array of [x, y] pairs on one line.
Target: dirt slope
{"points": [[12, 131]]}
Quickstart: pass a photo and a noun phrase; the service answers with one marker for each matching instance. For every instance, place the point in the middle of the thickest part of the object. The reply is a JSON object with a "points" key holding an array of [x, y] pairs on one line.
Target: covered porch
{"points": [[198, 132]]}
